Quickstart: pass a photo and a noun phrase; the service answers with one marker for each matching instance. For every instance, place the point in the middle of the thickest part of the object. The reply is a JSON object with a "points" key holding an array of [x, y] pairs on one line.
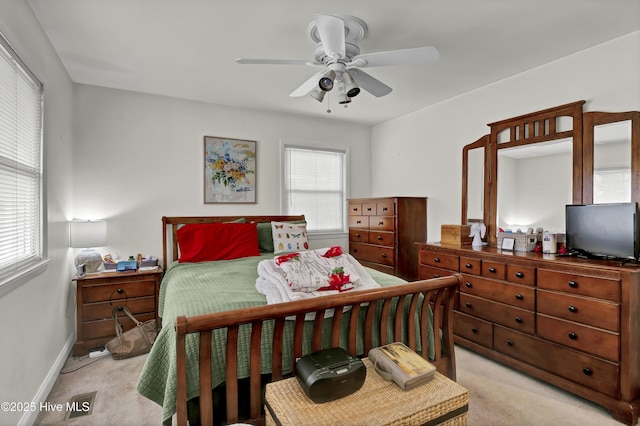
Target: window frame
{"points": [[38, 264], [284, 145]]}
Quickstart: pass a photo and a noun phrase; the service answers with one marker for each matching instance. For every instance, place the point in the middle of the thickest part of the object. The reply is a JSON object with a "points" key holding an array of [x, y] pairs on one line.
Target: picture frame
{"points": [[229, 170], [508, 244]]}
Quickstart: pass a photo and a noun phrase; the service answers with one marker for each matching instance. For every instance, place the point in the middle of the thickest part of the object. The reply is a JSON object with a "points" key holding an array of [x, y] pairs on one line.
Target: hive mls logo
{"points": [[83, 406]]}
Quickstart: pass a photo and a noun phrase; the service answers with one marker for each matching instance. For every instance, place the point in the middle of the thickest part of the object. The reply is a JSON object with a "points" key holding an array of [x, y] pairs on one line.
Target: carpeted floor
{"points": [[499, 396]]}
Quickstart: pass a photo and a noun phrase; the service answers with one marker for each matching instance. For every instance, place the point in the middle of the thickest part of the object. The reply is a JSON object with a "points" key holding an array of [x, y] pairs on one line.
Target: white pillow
{"points": [[289, 237]]}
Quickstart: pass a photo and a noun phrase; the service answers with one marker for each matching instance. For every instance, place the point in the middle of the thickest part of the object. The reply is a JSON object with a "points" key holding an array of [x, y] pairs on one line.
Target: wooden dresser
{"points": [[98, 294], [571, 322], [383, 232]]}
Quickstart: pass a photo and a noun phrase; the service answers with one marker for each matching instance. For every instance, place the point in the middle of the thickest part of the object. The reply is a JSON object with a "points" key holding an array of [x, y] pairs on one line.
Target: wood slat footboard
{"points": [[439, 292]]}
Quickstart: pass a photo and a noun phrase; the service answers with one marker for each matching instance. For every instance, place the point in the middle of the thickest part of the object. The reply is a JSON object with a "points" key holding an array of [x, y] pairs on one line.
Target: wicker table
{"points": [[439, 402]]}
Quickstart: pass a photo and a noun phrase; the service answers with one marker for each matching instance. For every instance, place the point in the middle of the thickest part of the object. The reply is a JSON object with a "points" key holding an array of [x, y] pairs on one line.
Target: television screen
{"points": [[603, 229]]}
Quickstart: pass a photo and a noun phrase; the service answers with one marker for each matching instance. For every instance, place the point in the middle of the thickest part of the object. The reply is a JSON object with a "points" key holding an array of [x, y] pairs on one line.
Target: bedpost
{"points": [[181, 370]]}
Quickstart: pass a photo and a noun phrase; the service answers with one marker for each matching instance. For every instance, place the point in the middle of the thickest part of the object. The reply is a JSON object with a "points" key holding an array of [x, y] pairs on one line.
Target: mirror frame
{"points": [[597, 118], [536, 127], [483, 142]]}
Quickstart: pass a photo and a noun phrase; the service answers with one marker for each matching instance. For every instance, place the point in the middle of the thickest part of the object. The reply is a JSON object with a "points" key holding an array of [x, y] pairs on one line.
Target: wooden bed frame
{"points": [[439, 292]]}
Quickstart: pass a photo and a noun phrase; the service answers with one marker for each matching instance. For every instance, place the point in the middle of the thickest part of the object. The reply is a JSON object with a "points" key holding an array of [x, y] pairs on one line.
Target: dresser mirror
{"points": [[474, 181], [612, 169]]}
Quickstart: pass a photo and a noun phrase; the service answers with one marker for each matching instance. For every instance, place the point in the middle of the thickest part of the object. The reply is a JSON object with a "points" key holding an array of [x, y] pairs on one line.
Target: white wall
{"points": [[35, 325], [140, 157], [427, 145]]}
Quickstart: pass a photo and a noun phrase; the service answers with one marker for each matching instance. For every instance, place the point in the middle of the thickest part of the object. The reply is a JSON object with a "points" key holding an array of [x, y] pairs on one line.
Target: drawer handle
{"points": [[436, 276], [573, 284], [510, 343], [357, 235], [120, 308], [120, 291], [436, 259], [468, 284], [355, 209], [468, 266], [384, 255], [368, 209], [573, 309], [384, 209], [474, 330], [380, 223], [379, 238], [573, 336], [468, 304], [354, 250], [358, 221], [492, 270], [519, 275], [519, 320], [587, 371], [519, 296]]}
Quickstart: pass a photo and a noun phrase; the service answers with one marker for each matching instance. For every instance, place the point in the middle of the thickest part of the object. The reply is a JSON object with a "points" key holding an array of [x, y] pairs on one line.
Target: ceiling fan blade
{"points": [[419, 55], [306, 87], [370, 84], [331, 31], [276, 62]]}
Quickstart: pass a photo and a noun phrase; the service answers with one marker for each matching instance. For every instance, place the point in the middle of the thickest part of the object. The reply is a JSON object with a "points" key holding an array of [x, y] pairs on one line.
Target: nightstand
{"points": [[98, 294]]}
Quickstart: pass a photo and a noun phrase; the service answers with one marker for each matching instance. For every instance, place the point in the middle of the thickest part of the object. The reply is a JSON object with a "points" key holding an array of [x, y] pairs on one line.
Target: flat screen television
{"points": [[604, 230]]}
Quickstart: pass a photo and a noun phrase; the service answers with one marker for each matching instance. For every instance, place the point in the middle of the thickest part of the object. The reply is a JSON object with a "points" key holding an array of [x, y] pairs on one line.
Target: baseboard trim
{"points": [[29, 417]]}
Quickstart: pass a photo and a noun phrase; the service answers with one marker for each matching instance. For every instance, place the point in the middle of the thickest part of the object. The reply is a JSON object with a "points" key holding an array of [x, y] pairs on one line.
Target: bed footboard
{"points": [[400, 313]]}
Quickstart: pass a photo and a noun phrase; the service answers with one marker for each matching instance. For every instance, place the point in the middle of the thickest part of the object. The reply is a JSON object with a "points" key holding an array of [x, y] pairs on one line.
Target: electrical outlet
{"points": [[97, 353]]}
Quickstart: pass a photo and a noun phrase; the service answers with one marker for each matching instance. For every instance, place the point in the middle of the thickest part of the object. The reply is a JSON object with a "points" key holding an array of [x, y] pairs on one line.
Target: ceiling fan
{"points": [[337, 51]]}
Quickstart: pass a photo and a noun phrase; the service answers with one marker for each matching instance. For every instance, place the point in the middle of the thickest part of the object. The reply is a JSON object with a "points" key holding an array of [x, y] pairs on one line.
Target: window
{"points": [[21, 206], [314, 184]]}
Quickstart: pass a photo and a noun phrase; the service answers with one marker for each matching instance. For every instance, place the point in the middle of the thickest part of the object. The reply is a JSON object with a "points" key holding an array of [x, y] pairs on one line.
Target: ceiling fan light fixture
{"points": [[326, 80], [350, 86], [317, 94], [343, 99]]}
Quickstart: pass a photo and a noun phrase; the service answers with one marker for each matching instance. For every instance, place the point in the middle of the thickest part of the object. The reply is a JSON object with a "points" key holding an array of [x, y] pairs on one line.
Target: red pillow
{"points": [[217, 241]]}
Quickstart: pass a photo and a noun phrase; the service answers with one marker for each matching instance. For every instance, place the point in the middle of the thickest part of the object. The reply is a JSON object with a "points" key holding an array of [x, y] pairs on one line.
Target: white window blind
{"points": [[315, 185], [21, 209]]}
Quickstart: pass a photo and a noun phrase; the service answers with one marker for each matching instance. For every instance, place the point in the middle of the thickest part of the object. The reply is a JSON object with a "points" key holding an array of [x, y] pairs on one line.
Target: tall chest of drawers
{"points": [[383, 232], [571, 322]]}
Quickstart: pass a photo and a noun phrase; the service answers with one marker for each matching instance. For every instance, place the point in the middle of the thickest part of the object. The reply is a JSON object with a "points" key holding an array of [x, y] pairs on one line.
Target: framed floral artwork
{"points": [[229, 170]]}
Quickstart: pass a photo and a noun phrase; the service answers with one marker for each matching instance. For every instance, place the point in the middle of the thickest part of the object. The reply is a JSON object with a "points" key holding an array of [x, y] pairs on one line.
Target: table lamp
{"points": [[87, 235]]}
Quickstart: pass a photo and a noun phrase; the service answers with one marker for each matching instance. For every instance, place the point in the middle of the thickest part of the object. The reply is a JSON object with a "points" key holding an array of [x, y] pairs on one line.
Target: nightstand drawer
{"points": [[96, 311], [120, 290], [106, 328]]}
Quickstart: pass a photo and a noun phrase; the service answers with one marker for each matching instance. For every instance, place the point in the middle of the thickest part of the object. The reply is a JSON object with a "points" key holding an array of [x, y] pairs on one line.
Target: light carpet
{"points": [[498, 396]]}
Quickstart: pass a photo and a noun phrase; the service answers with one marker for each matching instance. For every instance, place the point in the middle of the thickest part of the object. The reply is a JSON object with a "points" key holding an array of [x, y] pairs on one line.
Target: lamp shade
{"points": [[86, 234]]}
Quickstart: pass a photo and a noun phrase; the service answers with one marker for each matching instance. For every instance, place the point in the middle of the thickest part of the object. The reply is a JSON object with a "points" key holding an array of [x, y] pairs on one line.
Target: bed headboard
{"points": [[170, 225]]}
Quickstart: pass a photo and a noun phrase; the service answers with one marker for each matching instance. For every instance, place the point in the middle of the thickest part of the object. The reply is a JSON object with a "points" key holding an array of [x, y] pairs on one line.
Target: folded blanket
{"points": [[273, 284], [322, 269]]}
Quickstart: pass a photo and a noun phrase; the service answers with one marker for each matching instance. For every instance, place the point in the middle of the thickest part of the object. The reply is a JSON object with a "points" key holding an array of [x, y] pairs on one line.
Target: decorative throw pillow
{"points": [[288, 237], [217, 241], [265, 236]]}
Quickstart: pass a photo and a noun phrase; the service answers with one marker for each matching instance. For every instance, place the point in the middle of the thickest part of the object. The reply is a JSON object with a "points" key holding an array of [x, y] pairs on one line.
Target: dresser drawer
{"points": [[139, 305], [106, 328], [383, 238], [519, 319], [355, 209], [359, 235], [382, 223], [439, 260], [594, 312], [601, 288], [576, 366], [428, 272], [604, 344], [359, 222], [521, 274], [372, 253], [470, 265], [472, 328], [385, 208], [118, 290], [521, 296], [494, 270], [369, 209]]}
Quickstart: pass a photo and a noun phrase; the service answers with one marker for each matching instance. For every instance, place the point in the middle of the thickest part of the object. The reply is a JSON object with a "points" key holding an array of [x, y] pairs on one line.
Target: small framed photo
{"points": [[508, 244]]}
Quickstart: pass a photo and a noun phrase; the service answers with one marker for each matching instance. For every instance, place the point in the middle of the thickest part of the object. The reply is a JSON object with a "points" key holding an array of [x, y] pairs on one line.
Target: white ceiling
{"points": [[187, 48]]}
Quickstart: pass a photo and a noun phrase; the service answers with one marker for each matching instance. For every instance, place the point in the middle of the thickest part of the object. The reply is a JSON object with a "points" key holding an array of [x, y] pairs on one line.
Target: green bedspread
{"points": [[199, 288]]}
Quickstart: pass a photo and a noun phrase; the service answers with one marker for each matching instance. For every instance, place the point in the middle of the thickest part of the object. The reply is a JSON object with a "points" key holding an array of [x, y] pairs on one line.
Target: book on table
{"points": [[400, 364]]}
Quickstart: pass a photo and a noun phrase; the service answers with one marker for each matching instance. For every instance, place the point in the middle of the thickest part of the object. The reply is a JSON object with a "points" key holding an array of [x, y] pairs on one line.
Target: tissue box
{"points": [[455, 234]]}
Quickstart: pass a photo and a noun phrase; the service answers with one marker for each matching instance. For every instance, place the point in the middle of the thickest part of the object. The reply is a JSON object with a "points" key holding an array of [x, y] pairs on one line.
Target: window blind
{"points": [[20, 165], [315, 185]]}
